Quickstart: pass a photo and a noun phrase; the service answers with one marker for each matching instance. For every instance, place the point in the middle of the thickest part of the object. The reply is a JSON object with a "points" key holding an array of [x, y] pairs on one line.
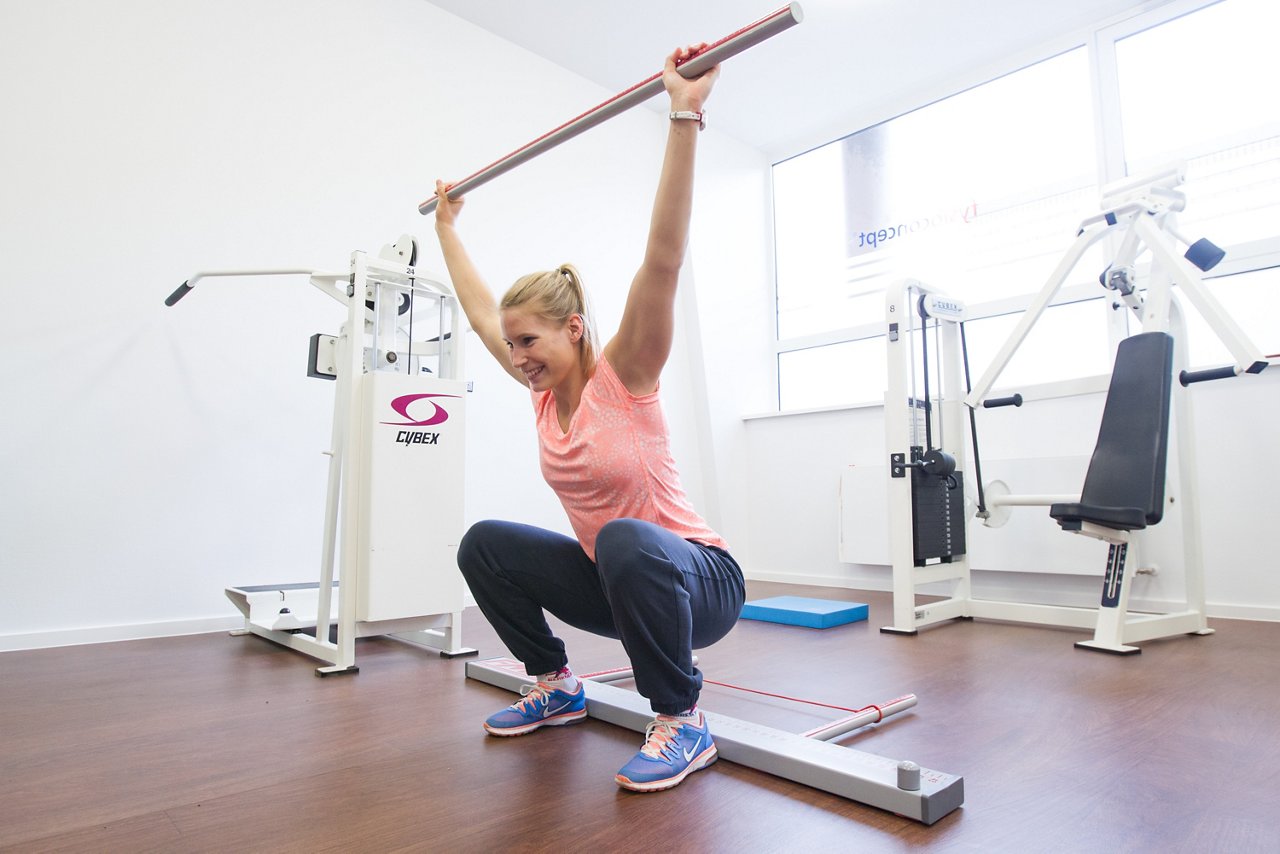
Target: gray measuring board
{"points": [[854, 774]]}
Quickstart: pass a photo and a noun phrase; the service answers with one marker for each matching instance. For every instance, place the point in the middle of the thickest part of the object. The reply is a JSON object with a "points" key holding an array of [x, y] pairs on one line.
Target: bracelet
{"points": [[699, 116]]}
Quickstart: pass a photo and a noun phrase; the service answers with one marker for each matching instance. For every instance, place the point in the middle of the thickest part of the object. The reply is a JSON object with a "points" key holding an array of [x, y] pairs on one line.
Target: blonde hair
{"points": [[557, 295]]}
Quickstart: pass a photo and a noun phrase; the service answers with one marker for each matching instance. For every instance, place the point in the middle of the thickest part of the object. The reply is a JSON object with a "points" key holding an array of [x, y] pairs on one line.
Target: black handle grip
{"points": [[1015, 400], [182, 291], [1189, 377]]}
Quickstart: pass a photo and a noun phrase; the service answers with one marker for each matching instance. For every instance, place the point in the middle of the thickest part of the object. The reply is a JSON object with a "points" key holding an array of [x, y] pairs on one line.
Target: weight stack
{"points": [[937, 517]]}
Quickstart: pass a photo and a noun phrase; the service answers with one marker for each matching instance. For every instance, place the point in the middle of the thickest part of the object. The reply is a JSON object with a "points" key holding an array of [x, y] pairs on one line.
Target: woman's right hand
{"points": [[447, 209], [688, 94]]}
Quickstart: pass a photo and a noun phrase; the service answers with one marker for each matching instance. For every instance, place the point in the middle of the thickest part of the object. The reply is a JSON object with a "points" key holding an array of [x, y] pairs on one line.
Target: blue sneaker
{"points": [[673, 750], [541, 705]]}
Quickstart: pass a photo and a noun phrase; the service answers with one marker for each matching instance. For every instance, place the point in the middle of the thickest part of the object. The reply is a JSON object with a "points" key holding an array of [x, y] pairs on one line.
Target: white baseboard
{"points": [[1218, 610], [138, 631], [821, 580], [110, 634], [1225, 611], [176, 628]]}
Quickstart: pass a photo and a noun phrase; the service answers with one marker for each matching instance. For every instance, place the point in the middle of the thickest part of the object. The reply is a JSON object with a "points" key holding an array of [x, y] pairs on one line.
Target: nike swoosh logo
{"points": [[548, 711], [688, 754]]}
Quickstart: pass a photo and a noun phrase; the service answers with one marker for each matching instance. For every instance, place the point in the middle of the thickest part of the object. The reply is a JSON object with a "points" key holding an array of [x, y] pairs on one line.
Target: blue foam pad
{"points": [[799, 611]]}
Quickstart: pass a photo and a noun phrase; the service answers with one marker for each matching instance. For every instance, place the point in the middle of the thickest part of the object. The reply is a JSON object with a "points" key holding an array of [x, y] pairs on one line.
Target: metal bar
{"points": [[618, 674], [1057, 279], [1029, 500], [853, 774], [1243, 350], [869, 715], [333, 489], [614, 674], [731, 45], [187, 286]]}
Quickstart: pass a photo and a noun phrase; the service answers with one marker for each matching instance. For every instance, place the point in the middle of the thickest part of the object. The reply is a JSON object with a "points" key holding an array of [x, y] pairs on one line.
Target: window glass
{"points": [[1242, 296], [834, 375], [808, 204], [1068, 341], [1199, 88], [978, 194]]}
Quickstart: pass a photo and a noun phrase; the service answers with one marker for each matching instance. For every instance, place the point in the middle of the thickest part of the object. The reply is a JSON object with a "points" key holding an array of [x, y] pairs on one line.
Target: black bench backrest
{"points": [[1124, 486]]}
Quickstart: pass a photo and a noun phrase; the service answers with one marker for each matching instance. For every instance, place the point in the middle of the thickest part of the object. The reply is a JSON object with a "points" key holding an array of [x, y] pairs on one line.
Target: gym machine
{"points": [[399, 423], [1125, 491]]}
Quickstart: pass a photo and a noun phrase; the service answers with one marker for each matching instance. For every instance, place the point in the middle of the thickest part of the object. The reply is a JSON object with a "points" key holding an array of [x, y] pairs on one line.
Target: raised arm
{"points": [[477, 299], [640, 349]]}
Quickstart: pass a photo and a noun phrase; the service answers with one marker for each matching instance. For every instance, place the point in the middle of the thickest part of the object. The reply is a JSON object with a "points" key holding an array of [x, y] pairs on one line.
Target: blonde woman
{"points": [[645, 567]]}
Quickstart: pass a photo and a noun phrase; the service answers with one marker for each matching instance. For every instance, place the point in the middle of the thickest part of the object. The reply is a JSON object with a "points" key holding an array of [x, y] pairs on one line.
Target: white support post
{"points": [[1188, 495], [344, 654], [903, 414], [1108, 634], [333, 493]]}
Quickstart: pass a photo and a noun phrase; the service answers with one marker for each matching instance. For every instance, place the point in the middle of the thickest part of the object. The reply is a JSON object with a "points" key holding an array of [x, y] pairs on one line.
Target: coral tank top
{"points": [[615, 462]]}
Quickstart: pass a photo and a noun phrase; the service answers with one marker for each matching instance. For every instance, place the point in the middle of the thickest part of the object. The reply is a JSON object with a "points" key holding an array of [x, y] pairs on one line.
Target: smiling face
{"points": [[545, 351]]}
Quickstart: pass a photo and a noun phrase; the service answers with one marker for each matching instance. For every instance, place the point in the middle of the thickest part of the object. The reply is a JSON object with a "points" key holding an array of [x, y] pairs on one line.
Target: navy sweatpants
{"points": [[661, 595]]}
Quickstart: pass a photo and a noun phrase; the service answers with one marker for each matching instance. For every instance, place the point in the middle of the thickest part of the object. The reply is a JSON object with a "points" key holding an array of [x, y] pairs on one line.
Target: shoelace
{"points": [[660, 740], [538, 692]]}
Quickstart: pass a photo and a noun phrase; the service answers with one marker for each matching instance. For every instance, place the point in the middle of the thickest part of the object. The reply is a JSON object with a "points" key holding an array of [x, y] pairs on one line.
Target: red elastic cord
{"points": [[792, 699], [879, 709]]}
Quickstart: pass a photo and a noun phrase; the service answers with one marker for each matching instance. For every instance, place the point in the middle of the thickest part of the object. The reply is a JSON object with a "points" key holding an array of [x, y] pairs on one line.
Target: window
{"points": [[980, 195], [805, 377], [1242, 295], [1188, 91]]}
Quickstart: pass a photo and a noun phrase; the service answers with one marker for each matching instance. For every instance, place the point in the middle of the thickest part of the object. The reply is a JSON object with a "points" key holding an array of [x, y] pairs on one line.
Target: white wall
{"points": [[151, 456]]}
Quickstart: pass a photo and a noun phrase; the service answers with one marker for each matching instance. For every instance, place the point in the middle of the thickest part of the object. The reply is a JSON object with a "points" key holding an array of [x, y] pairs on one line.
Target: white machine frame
{"points": [[393, 553], [1142, 212]]}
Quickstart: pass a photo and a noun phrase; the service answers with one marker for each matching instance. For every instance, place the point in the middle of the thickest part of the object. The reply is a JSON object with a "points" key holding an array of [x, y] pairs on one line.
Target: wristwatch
{"points": [[700, 116]]}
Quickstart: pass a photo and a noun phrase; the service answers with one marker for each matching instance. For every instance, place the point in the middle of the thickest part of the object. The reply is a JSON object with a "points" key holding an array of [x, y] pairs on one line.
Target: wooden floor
{"points": [[218, 743]]}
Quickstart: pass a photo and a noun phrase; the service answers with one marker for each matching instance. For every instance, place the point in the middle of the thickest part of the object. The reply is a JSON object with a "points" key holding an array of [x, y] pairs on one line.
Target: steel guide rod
{"points": [[859, 719], [900, 787], [715, 53]]}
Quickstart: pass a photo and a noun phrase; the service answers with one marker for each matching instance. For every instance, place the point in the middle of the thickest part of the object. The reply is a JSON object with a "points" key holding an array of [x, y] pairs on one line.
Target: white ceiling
{"points": [[816, 81]]}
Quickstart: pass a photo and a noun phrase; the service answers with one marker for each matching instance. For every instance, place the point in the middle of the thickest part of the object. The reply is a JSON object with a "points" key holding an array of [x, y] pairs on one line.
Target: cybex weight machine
{"points": [[399, 422], [1125, 493]]}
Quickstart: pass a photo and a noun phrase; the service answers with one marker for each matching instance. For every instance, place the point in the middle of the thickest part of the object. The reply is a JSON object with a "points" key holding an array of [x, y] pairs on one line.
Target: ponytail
{"points": [[557, 295]]}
